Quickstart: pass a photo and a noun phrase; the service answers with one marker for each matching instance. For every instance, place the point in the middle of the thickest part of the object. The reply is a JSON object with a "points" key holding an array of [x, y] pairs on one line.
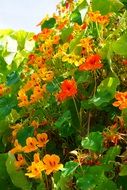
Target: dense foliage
{"points": [[63, 100]]}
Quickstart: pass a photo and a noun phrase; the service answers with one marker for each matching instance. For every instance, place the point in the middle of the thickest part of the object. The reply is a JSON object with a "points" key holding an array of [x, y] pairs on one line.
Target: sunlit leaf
{"points": [[106, 6], [93, 141]]}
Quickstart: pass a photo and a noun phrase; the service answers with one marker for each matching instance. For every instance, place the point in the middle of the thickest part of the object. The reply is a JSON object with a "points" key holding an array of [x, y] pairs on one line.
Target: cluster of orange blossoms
{"points": [[32, 143], [92, 63], [97, 17], [121, 102], [36, 83], [50, 163], [68, 89]]}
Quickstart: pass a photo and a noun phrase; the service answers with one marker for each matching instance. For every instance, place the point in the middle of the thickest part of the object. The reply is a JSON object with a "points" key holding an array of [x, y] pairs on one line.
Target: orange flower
{"points": [[51, 163], [68, 89], [125, 62], [17, 147], [121, 102], [34, 171], [92, 62], [20, 161], [42, 139], [31, 145], [56, 39], [2, 89], [31, 59], [35, 124]]}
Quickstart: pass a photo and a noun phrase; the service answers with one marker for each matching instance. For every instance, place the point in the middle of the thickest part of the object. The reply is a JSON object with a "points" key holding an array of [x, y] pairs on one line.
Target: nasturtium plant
{"points": [[63, 100]]}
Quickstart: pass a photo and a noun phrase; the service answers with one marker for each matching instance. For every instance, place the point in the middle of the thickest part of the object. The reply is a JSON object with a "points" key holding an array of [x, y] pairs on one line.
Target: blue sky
{"points": [[25, 14]]}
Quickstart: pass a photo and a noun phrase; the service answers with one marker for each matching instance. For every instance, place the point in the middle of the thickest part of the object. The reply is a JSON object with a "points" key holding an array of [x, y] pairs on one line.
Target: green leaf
{"points": [[86, 183], [17, 176], [63, 183], [24, 133], [106, 6], [52, 87], [123, 170], [3, 171], [76, 17], [75, 41], [82, 76], [4, 124], [65, 33], [124, 116], [105, 184], [111, 154], [69, 168], [6, 105], [82, 4], [93, 141], [48, 23], [3, 68], [94, 178], [120, 46], [21, 37], [64, 118], [105, 91], [12, 78], [41, 186]]}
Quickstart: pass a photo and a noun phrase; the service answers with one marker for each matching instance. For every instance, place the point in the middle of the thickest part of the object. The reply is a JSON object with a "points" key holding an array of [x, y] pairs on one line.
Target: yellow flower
{"points": [[17, 147], [15, 128], [36, 157], [31, 145], [45, 75], [34, 171], [51, 163], [22, 97], [42, 139]]}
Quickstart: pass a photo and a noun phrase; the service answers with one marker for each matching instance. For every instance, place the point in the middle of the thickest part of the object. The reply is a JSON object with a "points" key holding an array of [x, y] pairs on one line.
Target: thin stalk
{"points": [[77, 110]]}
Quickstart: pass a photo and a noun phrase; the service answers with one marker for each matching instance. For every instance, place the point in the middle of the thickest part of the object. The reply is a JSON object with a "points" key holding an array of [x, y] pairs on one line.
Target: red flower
{"points": [[68, 89], [92, 62]]}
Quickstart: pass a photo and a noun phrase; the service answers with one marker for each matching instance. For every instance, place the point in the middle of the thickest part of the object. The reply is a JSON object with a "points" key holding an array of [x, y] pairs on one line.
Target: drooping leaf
{"points": [[17, 176]]}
